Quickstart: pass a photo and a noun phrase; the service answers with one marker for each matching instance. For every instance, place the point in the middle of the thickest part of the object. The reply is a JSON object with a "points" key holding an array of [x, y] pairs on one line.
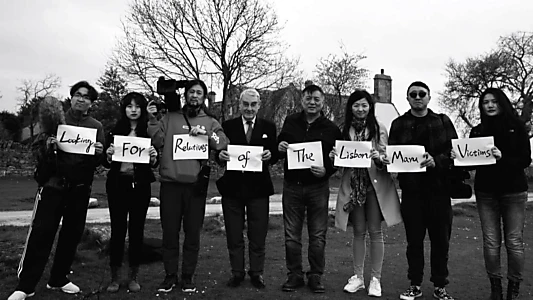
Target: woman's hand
{"points": [[332, 154], [374, 154], [452, 154], [110, 151], [496, 153], [223, 155], [153, 155], [98, 148]]}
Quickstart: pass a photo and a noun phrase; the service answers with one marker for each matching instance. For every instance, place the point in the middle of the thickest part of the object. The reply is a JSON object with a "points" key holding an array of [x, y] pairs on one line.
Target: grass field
{"points": [[91, 272]]}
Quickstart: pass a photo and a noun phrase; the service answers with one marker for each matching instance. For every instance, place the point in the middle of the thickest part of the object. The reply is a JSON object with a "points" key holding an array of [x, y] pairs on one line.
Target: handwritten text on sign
{"points": [[353, 154], [131, 149], [474, 151], [190, 147], [74, 139], [245, 158], [304, 155], [405, 158]]}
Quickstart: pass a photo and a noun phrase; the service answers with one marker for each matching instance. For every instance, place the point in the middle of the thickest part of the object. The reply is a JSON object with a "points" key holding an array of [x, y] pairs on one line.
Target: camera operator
{"points": [[180, 195]]}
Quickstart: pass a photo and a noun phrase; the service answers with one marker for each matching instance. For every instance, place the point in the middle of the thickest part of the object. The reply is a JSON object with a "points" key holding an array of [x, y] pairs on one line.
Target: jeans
{"points": [[181, 202], [297, 200], [509, 209], [125, 199], [431, 211], [368, 218]]}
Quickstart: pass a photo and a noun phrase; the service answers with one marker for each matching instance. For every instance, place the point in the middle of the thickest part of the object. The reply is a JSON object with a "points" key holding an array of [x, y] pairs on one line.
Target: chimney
{"points": [[383, 87]]}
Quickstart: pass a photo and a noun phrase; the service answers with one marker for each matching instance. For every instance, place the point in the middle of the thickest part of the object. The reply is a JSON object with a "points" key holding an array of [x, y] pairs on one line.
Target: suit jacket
{"points": [[250, 184]]}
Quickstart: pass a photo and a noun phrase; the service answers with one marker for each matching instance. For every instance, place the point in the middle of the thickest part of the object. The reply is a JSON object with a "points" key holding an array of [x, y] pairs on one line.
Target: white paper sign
{"points": [[474, 151], [304, 155], [405, 158], [245, 158], [131, 149], [353, 154], [75, 139], [190, 147]]}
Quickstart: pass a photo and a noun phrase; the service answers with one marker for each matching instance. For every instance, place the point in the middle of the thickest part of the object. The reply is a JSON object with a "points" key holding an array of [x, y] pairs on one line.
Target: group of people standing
{"points": [[366, 197]]}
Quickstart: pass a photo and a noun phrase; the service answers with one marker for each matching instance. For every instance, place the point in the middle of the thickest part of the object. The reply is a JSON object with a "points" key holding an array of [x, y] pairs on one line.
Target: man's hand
{"points": [[332, 155], [266, 155], [283, 146], [98, 148], [151, 108], [197, 131], [428, 161], [110, 151], [223, 155], [318, 171]]}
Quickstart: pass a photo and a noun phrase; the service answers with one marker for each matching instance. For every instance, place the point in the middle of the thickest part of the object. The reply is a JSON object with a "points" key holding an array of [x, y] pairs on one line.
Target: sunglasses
{"points": [[420, 94]]}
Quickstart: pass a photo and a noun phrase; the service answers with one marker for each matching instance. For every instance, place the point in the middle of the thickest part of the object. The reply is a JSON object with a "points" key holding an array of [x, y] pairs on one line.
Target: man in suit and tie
{"points": [[248, 192]]}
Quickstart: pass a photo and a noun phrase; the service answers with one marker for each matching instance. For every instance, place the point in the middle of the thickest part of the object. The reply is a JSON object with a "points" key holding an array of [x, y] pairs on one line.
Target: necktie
{"points": [[249, 131]]}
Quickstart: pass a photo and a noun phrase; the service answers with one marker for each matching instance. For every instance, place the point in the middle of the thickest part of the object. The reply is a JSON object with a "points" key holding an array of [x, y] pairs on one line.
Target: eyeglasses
{"points": [[420, 94], [84, 97]]}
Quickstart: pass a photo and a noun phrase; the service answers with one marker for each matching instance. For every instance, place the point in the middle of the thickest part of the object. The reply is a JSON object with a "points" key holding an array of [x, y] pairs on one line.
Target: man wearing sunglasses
{"points": [[426, 203]]}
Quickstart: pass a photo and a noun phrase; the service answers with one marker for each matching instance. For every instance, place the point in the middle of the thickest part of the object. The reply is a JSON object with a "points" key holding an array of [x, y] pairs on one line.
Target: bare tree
{"points": [[33, 91], [235, 42], [509, 67], [340, 75]]}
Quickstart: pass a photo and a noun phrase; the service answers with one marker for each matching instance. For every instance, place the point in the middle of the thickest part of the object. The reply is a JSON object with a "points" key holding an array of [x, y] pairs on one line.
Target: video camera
{"points": [[167, 88]]}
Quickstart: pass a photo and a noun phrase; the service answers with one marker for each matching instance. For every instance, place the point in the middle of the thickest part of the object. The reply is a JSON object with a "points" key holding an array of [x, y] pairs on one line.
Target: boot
{"points": [[496, 289], [513, 288], [114, 286], [133, 285]]}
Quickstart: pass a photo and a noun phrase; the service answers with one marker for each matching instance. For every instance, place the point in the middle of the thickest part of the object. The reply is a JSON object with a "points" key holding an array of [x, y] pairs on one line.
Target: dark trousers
{"points": [[256, 211], [297, 200], [126, 199], [427, 211], [179, 202], [50, 206]]}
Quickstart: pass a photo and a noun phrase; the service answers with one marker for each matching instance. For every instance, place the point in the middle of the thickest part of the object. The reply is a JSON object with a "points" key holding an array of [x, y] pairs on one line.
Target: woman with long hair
{"points": [[501, 189], [128, 192], [183, 191], [367, 196]]}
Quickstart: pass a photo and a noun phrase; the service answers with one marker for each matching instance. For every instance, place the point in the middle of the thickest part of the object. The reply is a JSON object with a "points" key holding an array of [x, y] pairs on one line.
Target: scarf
{"points": [[359, 179]]}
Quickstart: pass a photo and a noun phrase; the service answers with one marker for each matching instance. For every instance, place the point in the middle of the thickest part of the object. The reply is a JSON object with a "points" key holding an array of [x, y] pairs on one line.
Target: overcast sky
{"points": [[410, 39]]}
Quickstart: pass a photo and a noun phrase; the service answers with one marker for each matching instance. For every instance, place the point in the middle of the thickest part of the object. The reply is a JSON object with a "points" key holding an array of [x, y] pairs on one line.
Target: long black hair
{"points": [[123, 125], [371, 122], [508, 114]]}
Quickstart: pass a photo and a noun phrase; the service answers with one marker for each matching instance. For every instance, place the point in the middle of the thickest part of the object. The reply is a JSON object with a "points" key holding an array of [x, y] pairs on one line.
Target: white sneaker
{"points": [[19, 295], [374, 288], [69, 288], [354, 284]]}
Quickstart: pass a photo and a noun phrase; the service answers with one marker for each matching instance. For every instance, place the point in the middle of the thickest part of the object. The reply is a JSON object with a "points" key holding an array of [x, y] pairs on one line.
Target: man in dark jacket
{"points": [[63, 195], [307, 190], [426, 203], [245, 195]]}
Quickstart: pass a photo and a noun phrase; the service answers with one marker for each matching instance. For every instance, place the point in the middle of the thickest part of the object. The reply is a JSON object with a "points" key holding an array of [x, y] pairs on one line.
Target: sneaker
{"points": [[374, 289], [69, 288], [168, 283], [20, 295], [441, 294], [134, 286], [411, 293], [187, 284], [354, 284], [113, 287]]}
